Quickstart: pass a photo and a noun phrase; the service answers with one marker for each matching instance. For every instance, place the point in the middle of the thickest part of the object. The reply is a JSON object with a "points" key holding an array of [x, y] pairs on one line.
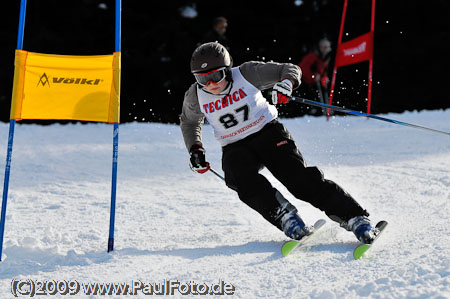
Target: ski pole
{"points": [[217, 174], [348, 111]]}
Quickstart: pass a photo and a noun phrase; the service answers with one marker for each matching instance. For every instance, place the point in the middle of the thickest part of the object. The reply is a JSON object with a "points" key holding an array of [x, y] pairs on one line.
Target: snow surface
{"points": [[173, 224]]}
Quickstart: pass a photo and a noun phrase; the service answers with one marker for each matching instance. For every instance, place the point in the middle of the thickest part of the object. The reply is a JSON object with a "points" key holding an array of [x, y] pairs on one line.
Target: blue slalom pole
{"points": [[12, 124], [112, 215], [348, 111], [113, 187], [23, 8], [118, 28], [6, 182]]}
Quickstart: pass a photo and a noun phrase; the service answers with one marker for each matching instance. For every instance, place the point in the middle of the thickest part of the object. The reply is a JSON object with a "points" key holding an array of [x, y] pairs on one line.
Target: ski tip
{"points": [[381, 225], [360, 251], [288, 247], [319, 223]]}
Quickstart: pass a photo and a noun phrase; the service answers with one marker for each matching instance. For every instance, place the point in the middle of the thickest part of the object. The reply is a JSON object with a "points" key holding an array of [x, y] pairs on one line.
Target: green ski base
{"points": [[362, 249], [290, 245]]}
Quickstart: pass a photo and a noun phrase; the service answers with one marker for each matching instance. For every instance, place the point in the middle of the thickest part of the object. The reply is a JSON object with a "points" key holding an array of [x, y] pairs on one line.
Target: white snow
{"points": [[175, 225]]}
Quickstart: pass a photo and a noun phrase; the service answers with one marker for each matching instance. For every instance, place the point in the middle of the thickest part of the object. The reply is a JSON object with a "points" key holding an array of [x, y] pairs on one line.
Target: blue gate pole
{"points": [[12, 123], [115, 138]]}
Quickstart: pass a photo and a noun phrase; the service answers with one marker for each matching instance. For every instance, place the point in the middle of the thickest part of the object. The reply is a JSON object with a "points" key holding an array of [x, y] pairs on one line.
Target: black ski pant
{"points": [[274, 148]]}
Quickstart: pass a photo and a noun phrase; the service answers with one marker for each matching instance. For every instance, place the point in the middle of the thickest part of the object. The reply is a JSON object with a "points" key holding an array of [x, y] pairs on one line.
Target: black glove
{"points": [[198, 161]]}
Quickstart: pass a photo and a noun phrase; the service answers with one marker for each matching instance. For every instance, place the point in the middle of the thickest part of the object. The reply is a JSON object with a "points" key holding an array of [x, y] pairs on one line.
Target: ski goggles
{"points": [[215, 77]]}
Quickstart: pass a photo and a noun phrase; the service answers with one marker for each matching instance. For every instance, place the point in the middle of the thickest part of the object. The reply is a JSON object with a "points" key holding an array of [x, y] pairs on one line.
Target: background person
{"points": [[315, 67], [217, 33]]}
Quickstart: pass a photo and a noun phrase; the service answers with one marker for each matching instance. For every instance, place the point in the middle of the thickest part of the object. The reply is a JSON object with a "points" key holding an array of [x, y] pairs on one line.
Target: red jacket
{"points": [[312, 65]]}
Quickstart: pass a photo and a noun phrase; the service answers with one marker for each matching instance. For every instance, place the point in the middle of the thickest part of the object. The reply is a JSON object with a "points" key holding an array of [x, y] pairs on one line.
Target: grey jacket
{"points": [[260, 74]]}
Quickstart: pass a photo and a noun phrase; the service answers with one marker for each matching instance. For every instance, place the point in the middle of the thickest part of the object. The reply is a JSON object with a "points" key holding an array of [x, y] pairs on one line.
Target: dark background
{"points": [[412, 45]]}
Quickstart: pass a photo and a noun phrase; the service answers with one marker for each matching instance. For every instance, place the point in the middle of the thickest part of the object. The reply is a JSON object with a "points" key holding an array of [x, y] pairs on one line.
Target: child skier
{"points": [[251, 137]]}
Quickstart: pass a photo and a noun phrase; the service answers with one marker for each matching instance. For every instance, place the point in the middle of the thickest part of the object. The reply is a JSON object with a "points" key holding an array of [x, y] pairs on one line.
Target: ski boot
{"points": [[362, 228], [294, 227]]}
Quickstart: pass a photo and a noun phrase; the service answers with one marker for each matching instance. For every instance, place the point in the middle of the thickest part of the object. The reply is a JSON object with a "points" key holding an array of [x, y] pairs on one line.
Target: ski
{"points": [[290, 245], [363, 248]]}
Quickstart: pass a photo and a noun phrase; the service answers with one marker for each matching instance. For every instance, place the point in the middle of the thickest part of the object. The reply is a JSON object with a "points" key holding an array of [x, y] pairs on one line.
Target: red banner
{"points": [[356, 50]]}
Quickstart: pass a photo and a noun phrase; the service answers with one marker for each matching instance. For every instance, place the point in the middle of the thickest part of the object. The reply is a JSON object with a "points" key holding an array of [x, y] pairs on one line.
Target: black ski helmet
{"points": [[211, 56]]}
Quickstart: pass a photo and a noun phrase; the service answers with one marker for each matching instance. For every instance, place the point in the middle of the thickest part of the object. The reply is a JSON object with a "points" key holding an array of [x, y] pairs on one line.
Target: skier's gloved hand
{"points": [[281, 92], [198, 161]]}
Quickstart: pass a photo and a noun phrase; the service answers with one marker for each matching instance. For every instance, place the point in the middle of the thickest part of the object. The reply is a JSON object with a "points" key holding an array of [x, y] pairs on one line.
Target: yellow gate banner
{"points": [[50, 86]]}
